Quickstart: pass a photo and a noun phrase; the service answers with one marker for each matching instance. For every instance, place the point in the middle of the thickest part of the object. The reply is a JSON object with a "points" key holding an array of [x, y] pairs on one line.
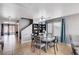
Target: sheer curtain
{"points": [[54, 28]]}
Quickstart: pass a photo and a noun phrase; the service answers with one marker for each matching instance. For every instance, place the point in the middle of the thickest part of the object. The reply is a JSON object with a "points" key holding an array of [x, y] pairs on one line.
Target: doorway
{"points": [[8, 29]]}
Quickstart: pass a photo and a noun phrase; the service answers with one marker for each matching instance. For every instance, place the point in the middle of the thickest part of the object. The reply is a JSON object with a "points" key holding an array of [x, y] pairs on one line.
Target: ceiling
{"points": [[36, 10]]}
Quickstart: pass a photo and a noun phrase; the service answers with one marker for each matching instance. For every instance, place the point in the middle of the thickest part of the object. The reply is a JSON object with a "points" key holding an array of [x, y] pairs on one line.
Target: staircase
{"points": [[25, 26], [26, 34]]}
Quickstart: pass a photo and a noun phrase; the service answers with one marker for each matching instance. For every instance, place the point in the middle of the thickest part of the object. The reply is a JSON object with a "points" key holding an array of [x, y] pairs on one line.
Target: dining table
{"points": [[47, 41]]}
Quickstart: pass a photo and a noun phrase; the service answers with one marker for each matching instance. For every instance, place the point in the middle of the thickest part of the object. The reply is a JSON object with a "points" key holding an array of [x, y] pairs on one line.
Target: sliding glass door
{"points": [[8, 29], [12, 29]]}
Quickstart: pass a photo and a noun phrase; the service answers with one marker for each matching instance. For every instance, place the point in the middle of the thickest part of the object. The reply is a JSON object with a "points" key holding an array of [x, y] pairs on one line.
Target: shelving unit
{"points": [[37, 29]]}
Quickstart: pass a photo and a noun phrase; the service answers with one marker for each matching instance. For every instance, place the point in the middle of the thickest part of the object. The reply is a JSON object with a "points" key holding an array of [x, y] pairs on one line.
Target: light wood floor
{"points": [[11, 47]]}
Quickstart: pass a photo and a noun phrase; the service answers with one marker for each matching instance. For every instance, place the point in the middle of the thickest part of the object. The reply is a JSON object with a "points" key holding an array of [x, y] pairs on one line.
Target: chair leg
{"points": [[46, 47], [45, 50], [32, 46], [40, 51], [2, 46], [54, 49]]}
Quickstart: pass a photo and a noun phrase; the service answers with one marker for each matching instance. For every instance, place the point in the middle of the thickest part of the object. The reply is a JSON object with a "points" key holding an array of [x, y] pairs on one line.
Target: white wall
{"points": [[72, 24]]}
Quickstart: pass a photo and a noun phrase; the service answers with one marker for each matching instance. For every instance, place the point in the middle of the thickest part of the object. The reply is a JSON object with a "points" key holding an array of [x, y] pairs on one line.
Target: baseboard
{"points": [[22, 42]]}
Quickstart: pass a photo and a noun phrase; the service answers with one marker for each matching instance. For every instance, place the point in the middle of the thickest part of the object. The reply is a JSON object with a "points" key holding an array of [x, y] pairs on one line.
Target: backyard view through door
{"points": [[8, 29]]}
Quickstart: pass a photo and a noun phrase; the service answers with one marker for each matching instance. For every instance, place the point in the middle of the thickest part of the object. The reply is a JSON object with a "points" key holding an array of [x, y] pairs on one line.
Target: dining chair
{"points": [[74, 40], [2, 44], [36, 43], [51, 41]]}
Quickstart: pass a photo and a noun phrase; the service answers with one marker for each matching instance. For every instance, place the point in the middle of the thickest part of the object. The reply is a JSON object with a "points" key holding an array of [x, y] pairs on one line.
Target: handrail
{"points": [[31, 21]]}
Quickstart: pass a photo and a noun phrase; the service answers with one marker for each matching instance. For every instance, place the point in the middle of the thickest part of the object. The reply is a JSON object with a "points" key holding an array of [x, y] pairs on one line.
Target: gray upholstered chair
{"points": [[36, 43], [51, 41], [74, 44], [1, 43]]}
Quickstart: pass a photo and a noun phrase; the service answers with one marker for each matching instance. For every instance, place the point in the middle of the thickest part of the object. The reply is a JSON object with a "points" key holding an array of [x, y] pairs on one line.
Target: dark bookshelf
{"points": [[38, 28]]}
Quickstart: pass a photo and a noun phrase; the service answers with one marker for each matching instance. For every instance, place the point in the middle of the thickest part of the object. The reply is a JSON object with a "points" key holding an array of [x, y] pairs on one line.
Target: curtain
{"points": [[63, 32], [2, 29]]}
